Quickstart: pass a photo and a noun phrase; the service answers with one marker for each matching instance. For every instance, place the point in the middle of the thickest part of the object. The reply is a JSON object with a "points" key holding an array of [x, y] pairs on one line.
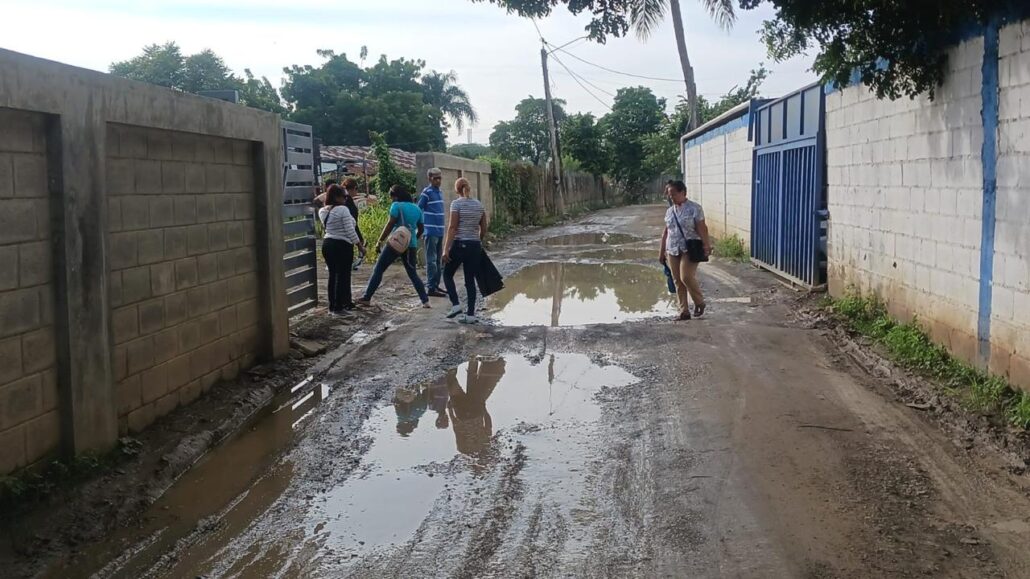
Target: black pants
{"points": [[467, 254], [339, 256]]}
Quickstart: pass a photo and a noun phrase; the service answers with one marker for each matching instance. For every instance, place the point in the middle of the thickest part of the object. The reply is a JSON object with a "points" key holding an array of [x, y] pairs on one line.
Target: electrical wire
{"points": [[613, 71], [575, 77], [580, 77]]}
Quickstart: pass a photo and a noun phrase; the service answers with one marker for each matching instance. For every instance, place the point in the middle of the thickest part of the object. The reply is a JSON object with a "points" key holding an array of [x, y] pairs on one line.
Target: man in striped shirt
{"points": [[432, 206]]}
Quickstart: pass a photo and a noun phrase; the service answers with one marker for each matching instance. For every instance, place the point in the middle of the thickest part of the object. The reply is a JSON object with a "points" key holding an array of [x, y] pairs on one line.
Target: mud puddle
{"points": [[597, 238], [570, 294], [221, 486], [621, 254], [432, 450]]}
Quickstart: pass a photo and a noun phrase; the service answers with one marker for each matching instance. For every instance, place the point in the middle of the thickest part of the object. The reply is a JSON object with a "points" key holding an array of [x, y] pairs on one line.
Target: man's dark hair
{"points": [[400, 193], [678, 186]]}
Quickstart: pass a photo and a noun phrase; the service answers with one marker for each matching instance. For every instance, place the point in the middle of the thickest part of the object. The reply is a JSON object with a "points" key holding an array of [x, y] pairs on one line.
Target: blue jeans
{"points": [[434, 251], [464, 254], [386, 258]]}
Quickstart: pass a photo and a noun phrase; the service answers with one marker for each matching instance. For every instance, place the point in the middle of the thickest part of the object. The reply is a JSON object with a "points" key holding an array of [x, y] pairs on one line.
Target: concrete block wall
{"points": [[905, 190], [29, 422], [453, 168], [182, 235], [140, 253], [1010, 310], [719, 177]]}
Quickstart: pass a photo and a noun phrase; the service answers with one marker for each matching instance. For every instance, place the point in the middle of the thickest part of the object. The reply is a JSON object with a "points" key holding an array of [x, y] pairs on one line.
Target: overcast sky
{"points": [[496, 55]]}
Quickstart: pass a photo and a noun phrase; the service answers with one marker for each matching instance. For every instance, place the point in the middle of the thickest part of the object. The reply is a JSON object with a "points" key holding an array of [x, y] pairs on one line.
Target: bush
{"points": [[732, 248], [371, 221]]}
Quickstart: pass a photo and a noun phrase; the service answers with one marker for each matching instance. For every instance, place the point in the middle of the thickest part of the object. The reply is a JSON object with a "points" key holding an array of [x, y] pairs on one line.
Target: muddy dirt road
{"points": [[583, 433]]}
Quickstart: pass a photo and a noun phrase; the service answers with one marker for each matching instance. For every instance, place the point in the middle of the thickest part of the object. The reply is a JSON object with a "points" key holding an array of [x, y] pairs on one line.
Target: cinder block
{"points": [[8, 267], [21, 401], [186, 273], [38, 350], [23, 131], [162, 211], [151, 316], [227, 321], [210, 380], [173, 177], [136, 284], [151, 246], [245, 260], [10, 360], [121, 177], [159, 144], [209, 328], [218, 236], [142, 417], [1000, 360], [30, 176], [154, 383], [1019, 371], [132, 142], [6, 176], [178, 370], [247, 314], [214, 178], [223, 151], [244, 206], [125, 324], [197, 239], [231, 371], [236, 236], [242, 153], [198, 302], [20, 312], [147, 176], [224, 209], [129, 395], [176, 309], [185, 210], [189, 336], [176, 243], [42, 436], [12, 449], [190, 392], [207, 268], [249, 233], [184, 147], [122, 250], [17, 221], [200, 363], [218, 295], [114, 214], [140, 355], [162, 278], [166, 345], [196, 178], [206, 212]]}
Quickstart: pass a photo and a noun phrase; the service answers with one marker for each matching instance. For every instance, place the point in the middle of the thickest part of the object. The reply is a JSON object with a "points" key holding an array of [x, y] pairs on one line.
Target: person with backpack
{"points": [[685, 244], [341, 236], [399, 239]]}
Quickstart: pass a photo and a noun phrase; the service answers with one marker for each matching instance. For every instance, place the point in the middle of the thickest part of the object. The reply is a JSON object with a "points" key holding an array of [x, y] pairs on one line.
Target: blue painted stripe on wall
{"points": [[719, 131], [989, 158]]}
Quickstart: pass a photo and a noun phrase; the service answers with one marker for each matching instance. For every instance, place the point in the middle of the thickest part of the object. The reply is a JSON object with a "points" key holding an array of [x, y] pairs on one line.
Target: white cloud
{"points": [[495, 55]]}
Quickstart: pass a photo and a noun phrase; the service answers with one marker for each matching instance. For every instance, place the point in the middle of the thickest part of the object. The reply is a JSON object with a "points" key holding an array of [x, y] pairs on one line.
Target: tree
{"points": [[442, 91], [470, 150], [165, 65], [527, 136], [615, 17], [636, 113], [582, 141], [897, 48]]}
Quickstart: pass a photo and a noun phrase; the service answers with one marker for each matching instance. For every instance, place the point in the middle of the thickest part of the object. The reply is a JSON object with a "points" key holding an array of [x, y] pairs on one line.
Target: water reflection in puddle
{"points": [[589, 239], [563, 294], [435, 442]]}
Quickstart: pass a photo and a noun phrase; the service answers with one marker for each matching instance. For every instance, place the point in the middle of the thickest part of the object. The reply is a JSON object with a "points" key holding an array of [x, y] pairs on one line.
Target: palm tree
{"points": [[646, 15], [442, 91]]}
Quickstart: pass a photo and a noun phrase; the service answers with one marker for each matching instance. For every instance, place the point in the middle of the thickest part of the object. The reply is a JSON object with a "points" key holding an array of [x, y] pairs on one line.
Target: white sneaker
{"points": [[426, 306], [455, 310], [467, 319]]}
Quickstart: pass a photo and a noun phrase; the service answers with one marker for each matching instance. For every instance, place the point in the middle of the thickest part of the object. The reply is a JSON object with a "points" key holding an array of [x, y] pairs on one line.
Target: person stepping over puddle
{"points": [[463, 247], [685, 244], [398, 240]]}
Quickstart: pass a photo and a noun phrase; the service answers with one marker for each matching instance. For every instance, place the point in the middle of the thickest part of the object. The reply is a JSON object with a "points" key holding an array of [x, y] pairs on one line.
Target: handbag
{"points": [[695, 247], [400, 238]]}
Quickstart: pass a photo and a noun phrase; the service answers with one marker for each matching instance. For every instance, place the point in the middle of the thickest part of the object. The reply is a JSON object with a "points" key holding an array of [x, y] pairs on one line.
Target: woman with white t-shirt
{"points": [[685, 244], [341, 235]]}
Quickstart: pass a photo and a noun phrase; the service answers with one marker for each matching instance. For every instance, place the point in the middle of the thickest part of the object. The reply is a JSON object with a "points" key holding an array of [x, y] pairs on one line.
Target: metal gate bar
{"points": [[300, 257]]}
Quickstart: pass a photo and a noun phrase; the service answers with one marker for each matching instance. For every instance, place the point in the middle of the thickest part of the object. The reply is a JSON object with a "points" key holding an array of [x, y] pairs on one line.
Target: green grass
{"points": [[910, 346], [371, 221], [732, 248]]}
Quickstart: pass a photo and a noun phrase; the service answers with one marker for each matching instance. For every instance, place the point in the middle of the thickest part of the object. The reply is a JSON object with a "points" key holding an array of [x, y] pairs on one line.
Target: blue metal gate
{"points": [[788, 193]]}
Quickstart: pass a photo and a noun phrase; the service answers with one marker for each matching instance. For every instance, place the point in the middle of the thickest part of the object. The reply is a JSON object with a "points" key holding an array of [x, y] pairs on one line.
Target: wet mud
{"points": [[588, 238]]}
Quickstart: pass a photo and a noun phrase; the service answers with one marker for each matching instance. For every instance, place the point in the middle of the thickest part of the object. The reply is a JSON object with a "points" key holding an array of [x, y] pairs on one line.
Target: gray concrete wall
{"points": [[126, 206], [453, 168]]}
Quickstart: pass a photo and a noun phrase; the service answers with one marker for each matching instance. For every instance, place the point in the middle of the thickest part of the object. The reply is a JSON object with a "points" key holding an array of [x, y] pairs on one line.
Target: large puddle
{"points": [[588, 239], [569, 294], [434, 443]]}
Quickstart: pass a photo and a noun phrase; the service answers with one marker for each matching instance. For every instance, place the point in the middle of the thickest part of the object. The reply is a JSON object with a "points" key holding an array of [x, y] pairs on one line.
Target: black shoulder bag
{"points": [[695, 247]]}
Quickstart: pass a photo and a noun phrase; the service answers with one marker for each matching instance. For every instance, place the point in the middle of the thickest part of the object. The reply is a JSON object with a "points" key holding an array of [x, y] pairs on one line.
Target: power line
{"points": [[613, 71], [576, 78]]}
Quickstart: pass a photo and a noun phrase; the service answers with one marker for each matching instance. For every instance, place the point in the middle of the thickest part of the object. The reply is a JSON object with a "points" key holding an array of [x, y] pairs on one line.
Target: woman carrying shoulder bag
{"points": [[399, 239], [685, 244], [341, 235]]}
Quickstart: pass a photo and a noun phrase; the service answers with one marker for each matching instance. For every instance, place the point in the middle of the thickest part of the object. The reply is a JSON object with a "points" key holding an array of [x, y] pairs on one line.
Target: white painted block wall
{"points": [[1010, 317], [904, 193], [719, 177]]}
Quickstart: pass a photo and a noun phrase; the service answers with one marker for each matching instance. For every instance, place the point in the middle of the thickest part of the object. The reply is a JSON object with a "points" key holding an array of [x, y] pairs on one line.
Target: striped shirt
{"points": [[470, 212], [338, 223], [431, 204]]}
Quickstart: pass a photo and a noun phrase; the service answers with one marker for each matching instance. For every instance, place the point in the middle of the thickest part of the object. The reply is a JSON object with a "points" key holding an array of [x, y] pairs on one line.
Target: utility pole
{"points": [[559, 183]]}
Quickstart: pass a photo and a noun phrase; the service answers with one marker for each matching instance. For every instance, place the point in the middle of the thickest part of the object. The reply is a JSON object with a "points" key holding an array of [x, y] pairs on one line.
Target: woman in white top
{"points": [[685, 244], [463, 247], [341, 235]]}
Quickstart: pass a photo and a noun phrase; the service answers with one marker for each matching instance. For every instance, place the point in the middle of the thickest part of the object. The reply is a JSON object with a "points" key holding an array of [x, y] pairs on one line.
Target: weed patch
{"points": [[910, 346], [732, 248]]}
